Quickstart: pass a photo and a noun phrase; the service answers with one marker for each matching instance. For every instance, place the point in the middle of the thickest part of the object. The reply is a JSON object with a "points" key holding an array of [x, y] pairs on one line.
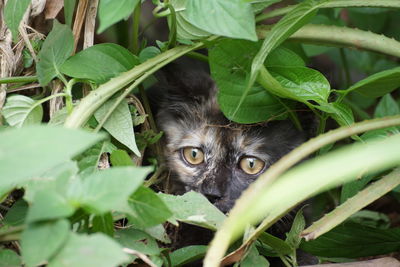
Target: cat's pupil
{"points": [[194, 153], [251, 163]]}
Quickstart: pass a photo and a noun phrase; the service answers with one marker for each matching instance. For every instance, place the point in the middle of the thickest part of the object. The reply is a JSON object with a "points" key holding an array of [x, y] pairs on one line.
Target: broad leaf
{"points": [[148, 52], [353, 241], [9, 258], [340, 112], [48, 205], [57, 47], [104, 224], [44, 147], [16, 214], [99, 63], [194, 208], [253, 259], [40, 241], [110, 12], [120, 158], [187, 254], [119, 123], [147, 208], [378, 84], [94, 250], [186, 30], [110, 189], [137, 240], [13, 13], [387, 106], [21, 110], [231, 18], [69, 7]]}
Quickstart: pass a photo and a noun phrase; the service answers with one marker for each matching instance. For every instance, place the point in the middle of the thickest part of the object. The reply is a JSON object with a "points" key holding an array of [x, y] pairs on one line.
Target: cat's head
{"points": [[206, 152]]}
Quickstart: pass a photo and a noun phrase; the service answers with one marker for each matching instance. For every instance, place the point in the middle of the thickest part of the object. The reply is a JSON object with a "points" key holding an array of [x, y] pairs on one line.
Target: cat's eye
{"points": [[193, 155], [251, 165]]}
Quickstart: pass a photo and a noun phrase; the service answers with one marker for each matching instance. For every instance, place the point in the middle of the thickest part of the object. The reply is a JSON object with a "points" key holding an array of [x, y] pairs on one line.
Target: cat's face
{"points": [[209, 154]]}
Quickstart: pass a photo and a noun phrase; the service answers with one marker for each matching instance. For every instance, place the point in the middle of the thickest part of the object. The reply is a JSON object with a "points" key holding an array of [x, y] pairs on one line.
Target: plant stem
{"points": [[19, 79], [135, 33], [198, 56], [345, 68], [172, 32]]}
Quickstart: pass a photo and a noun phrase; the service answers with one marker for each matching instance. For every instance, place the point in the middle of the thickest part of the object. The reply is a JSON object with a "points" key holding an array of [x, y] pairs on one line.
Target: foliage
{"points": [[64, 204]]}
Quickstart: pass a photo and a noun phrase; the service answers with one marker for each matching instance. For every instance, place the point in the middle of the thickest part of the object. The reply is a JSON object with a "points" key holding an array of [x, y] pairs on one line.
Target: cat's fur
{"points": [[189, 115]]}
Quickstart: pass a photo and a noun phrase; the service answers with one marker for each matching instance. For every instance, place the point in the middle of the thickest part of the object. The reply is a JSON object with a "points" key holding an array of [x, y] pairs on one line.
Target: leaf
{"points": [[119, 124], [387, 106], [353, 241], [110, 189], [148, 52], [16, 214], [110, 12], [13, 14], [282, 56], [231, 18], [186, 30], [340, 112], [8, 258], [69, 7], [137, 240], [253, 258], [43, 148], [104, 224], [100, 62], [93, 250], [159, 233], [48, 205], [261, 5], [293, 238], [120, 158], [40, 241], [57, 47], [147, 208], [194, 208], [187, 254], [378, 84], [21, 110], [229, 64]]}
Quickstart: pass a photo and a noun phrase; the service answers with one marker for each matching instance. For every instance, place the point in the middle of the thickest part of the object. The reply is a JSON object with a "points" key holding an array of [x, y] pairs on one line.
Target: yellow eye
{"points": [[251, 165], [193, 155]]}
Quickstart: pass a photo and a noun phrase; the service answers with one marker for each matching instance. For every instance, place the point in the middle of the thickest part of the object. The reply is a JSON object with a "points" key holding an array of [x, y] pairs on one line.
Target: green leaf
{"points": [[16, 214], [21, 110], [110, 189], [147, 208], [43, 148], [194, 208], [99, 63], [137, 240], [69, 7], [230, 64], [120, 158], [94, 250], [387, 106], [261, 5], [352, 240], [119, 124], [110, 12], [40, 241], [187, 254], [104, 224], [59, 117], [159, 233], [13, 13], [378, 84], [57, 47], [48, 205], [186, 30], [8, 258], [293, 238], [282, 56], [253, 259], [340, 112], [231, 18], [148, 52]]}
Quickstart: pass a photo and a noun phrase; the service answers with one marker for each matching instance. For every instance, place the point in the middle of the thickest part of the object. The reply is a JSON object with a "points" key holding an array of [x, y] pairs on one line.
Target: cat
{"points": [[207, 153]]}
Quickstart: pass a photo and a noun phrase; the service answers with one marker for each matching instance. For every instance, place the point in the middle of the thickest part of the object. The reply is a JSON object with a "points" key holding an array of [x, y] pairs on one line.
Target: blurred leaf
{"points": [[119, 123], [231, 18], [94, 250], [253, 259], [104, 224], [229, 63], [14, 10], [378, 84], [371, 218], [110, 12], [159, 233], [368, 18], [16, 214], [187, 254], [100, 62], [351, 240], [120, 158], [40, 241], [148, 52], [293, 238], [9, 258], [110, 189], [69, 7], [59, 117], [194, 208], [137, 240], [258, 6], [147, 208], [387, 106], [48, 205], [44, 147], [21, 110], [57, 47], [352, 188]]}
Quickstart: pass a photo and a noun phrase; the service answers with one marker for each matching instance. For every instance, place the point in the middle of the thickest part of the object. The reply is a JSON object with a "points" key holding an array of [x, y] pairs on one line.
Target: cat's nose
{"points": [[211, 192], [212, 198]]}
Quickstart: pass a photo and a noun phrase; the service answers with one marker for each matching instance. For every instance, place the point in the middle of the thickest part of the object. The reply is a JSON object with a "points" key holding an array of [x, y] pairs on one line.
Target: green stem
{"points": [[68, 95], [275, 13], [345, 68], [284, 260], [172, 32], [41, 101], [198, 56], [147, 109], [135, 33], [19, 79]]}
